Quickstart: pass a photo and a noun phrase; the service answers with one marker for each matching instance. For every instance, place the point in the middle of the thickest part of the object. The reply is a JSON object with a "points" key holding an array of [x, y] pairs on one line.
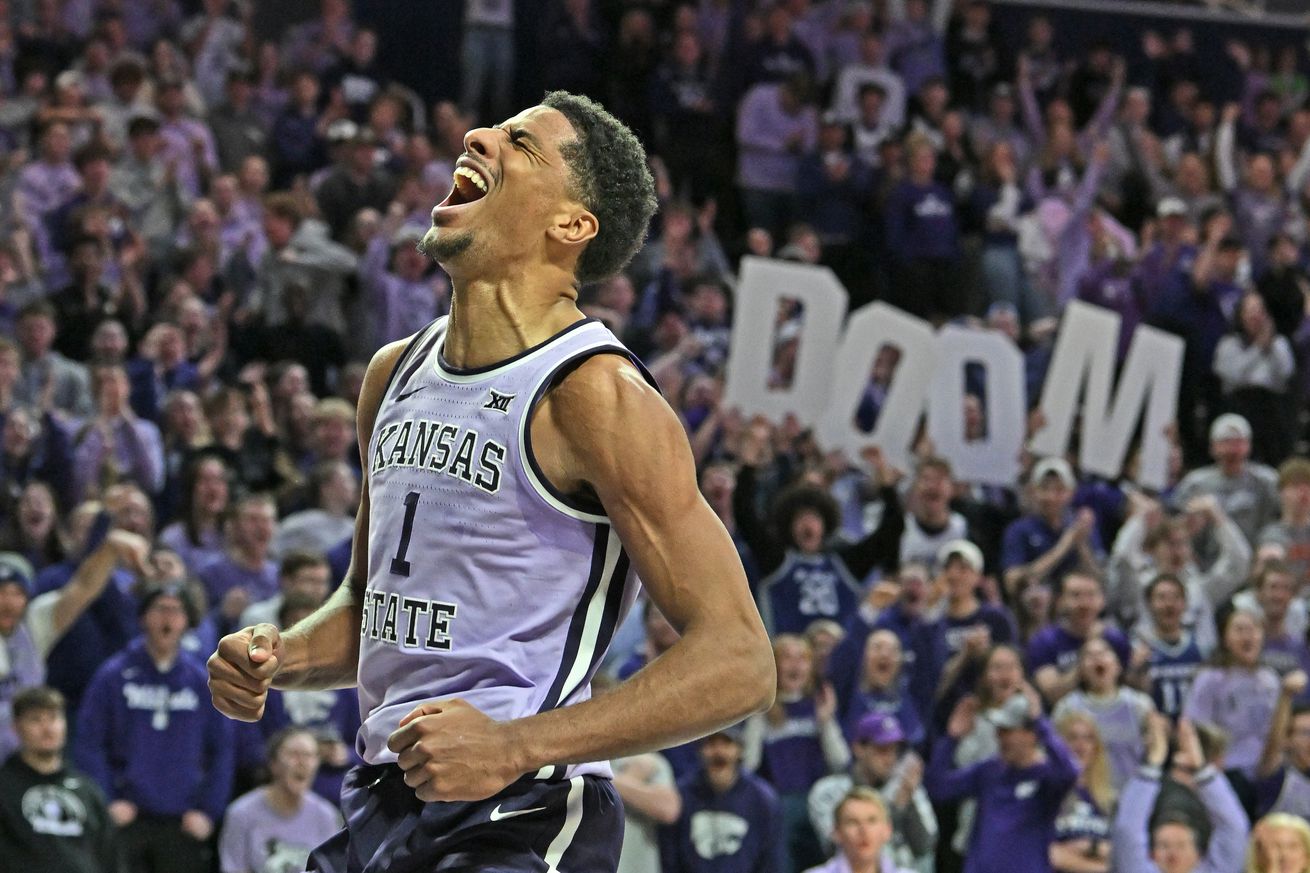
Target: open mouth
{"points": [[469, 185]]}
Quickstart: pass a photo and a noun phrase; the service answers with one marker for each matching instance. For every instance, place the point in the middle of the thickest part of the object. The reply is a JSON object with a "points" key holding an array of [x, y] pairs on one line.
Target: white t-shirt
{"points": [[40, 622]]}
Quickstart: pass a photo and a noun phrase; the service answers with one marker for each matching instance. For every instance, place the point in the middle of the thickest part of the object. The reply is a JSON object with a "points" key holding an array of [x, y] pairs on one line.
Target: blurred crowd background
{"points": [[208, 225]]}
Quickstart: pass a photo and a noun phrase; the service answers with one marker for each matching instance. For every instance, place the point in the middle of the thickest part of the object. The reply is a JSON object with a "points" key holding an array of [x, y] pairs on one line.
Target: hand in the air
{"points": [[451, 751]]}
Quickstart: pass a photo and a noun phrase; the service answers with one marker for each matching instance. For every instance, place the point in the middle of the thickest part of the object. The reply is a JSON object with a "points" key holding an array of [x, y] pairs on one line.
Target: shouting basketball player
{"points": [[521, 471]]}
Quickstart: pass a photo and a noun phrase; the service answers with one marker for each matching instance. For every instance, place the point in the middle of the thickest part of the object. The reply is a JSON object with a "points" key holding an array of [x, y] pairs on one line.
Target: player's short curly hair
{"points": [[608, 175]]}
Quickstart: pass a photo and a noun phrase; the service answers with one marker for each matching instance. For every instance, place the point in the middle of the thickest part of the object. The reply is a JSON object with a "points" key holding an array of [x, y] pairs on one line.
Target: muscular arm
{"points": [[606, 429], [603, 429], [321, 652]]}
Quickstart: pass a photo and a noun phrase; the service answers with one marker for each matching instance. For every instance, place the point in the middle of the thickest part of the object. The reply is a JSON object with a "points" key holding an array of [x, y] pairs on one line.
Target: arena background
{"points": [[1116, 672]]}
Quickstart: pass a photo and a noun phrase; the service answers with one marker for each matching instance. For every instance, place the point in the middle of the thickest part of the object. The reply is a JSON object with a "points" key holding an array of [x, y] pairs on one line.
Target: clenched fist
{"points": [[242, 671], [450, 750]]}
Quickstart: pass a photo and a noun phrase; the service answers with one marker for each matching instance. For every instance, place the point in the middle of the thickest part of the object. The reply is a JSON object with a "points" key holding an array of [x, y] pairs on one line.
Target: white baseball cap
{"points": [[1054, 467], [1230, 426], [971, 554]]}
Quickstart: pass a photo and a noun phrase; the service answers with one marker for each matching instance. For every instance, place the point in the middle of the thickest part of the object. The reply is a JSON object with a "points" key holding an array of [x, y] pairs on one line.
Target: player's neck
{"points": [[493, 321]]}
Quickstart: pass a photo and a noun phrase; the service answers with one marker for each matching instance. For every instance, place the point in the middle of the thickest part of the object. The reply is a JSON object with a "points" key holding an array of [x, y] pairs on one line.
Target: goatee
{"points": [[446, 246]]}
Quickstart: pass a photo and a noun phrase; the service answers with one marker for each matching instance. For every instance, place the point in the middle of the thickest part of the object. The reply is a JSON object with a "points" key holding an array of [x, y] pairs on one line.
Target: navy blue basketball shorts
{"points": [[567, 826]]}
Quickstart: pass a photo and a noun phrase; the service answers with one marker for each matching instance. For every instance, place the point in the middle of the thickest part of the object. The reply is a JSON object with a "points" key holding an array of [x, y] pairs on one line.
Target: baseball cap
{"points": [[880, 729], [1013, 713], [971, 554], [1170, 206], [342, 130], [1054, 467], [16, 569], [1230, 426]]}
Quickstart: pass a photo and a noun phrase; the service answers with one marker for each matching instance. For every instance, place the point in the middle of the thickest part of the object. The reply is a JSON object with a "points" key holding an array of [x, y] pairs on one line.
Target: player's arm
{"points": [[604, 428], [322, 651], [617, 435]]}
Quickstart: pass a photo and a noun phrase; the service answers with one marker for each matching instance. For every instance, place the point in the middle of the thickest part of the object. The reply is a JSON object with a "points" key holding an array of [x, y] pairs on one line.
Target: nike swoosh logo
{"points": [[497, 815], [400, 397]]}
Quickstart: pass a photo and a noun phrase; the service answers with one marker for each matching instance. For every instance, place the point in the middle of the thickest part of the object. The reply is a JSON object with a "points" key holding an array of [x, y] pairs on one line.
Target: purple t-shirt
{"points": [[257, 838], [1239, 701], [221, 576], [1055, 645]]}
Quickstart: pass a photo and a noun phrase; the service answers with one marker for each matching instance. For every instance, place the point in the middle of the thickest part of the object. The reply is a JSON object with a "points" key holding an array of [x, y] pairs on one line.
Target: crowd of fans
{"points": [[206, 232]]}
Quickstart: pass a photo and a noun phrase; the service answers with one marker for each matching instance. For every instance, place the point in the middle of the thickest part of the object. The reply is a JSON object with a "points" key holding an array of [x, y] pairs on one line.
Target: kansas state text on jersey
{"points": [[484, 582]]}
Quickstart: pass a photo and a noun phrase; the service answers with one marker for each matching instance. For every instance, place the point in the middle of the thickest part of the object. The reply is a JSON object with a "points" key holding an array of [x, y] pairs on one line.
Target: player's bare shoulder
{"points": [[604, 422]]}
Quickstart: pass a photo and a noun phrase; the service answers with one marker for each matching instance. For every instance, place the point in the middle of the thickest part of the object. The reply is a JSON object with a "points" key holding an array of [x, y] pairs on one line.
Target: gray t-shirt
{"points": [[258, 839], [1250, 498], [641, 849]]}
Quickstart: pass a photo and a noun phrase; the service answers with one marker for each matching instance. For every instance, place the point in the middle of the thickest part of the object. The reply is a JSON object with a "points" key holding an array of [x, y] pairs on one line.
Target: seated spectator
{"points": [[1053, 652], [1235, 692], [1292, 529], [796, 743], [30, 626], [1082, 831], [1019, 791], [1283, 775], [731, 820], [277, 826], [1052, 541], [1165, 653], [862, 827], [1121, 713], [1171, 844], [884, 763], [148, 736], [51, 816]]}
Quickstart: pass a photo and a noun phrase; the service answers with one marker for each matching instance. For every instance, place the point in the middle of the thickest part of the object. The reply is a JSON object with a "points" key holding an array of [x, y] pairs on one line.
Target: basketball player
{"points": [[521, 471]]}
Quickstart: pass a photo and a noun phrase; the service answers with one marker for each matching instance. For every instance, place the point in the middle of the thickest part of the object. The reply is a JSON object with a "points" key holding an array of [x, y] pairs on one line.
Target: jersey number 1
{"points": [[399, 566]]}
